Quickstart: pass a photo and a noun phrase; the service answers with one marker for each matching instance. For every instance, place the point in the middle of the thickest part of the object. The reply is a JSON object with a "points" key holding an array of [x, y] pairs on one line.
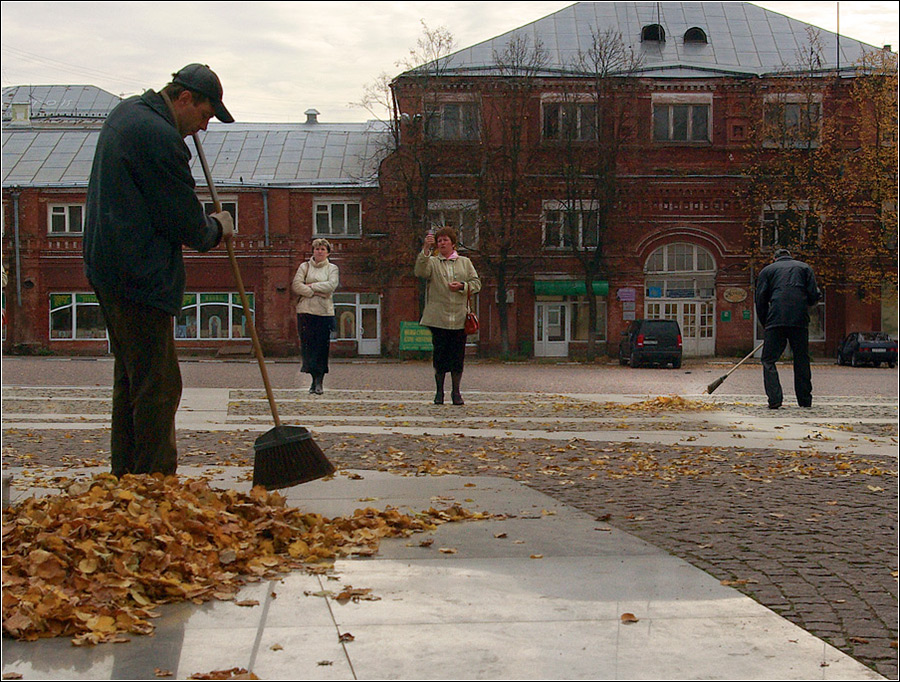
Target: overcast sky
{"points": [[277, 59]]}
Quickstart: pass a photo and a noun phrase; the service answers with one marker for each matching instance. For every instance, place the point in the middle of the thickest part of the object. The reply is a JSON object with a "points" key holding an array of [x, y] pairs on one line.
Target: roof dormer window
{"points": [[653, 32], [695, 35]]}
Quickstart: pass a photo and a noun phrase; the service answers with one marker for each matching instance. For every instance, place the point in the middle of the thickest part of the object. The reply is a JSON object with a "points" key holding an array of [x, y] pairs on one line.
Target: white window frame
{"points": [[452, 213], [669, 101], [779, 207], [329, 204], [229, 204], [696, 281], [90, 300], [64, 211], [440, 126], [583, 124], [788, 100], [234, 306], [556, 206]]}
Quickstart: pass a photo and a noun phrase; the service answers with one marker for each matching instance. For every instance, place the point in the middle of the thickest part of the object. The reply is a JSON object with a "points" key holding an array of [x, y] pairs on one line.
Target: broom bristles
{"points": [[714, 385], [288, 456]]}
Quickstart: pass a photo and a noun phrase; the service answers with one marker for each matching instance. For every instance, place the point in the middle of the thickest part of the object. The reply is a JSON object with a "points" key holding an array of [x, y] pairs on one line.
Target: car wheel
{"points": [[676, 364], [892, 365], [634, 362], [854, 360], [840, 358]]}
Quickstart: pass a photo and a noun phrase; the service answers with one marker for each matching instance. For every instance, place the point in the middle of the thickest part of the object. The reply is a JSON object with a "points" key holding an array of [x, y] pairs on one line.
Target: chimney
{"points": [[312, 116], [20, 112]]}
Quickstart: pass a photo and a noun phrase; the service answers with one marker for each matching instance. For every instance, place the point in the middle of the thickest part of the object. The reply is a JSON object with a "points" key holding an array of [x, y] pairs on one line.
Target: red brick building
{"points": [[502, 140]]}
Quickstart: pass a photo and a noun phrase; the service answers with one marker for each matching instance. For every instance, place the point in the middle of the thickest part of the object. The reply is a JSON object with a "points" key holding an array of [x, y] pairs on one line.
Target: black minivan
{"points": [[651, 342]]}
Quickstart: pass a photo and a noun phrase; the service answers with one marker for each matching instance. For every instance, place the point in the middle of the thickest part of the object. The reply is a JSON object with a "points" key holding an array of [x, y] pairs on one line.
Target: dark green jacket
{"points": [[141, 207]]}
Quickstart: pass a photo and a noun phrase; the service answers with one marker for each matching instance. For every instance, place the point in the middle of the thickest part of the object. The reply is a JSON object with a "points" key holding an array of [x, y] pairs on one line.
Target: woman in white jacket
{"points": [[315, 282]]}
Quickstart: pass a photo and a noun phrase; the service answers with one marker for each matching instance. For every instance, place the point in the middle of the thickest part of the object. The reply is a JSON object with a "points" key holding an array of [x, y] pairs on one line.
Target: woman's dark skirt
{"points": [[315, 340], [449, 349]]}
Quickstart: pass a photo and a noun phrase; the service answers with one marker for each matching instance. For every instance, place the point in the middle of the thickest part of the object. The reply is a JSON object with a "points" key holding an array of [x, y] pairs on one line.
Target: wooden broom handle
{"points": [[240, 284]]}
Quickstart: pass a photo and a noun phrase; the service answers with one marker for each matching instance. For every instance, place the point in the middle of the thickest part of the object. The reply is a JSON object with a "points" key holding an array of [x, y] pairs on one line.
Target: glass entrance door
{"points": [[696, 319], [552, 329]]}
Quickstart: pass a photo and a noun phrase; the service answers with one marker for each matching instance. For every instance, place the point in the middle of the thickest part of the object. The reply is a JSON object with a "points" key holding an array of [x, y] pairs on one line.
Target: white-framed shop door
{"points": [[697, 322], [369, 332], [552, 323]]}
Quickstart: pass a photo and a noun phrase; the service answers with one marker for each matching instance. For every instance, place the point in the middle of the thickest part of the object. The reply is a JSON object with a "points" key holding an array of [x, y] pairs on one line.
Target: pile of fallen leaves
{"points": [[92, 563], [671, 402]]}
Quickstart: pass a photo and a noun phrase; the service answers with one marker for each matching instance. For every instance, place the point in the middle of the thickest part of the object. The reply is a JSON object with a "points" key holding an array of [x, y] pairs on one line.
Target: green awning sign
{"points": [[568, 287]]}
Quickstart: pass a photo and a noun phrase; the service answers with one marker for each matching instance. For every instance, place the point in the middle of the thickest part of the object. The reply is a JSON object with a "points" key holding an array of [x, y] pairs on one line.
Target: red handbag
{"points": [[471, 325]]}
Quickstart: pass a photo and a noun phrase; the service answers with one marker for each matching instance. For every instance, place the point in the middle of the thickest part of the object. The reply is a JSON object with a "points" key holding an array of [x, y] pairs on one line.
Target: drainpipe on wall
{"points": [[15, 195], [265, 194]]}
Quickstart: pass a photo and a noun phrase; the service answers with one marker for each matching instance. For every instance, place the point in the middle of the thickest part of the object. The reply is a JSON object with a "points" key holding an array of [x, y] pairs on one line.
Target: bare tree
{"points": [[407, 157], [591, 125], [503, 180]]}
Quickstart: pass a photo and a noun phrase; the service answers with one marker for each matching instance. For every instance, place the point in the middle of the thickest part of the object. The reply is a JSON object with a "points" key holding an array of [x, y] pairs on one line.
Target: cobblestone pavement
{"points": [[810, 534]]}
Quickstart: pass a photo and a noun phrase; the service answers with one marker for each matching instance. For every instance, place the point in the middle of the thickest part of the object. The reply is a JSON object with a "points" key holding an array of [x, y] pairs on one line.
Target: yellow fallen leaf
{"points": [[628, 618]]}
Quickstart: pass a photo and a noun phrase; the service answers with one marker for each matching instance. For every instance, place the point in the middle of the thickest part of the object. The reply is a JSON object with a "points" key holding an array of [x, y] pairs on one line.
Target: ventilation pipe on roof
{"points": [[312, 116]]}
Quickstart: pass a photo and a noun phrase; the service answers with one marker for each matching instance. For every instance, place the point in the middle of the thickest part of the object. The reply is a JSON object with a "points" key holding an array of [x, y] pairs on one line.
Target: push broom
{"points": [[286, 455], [718, 382]]}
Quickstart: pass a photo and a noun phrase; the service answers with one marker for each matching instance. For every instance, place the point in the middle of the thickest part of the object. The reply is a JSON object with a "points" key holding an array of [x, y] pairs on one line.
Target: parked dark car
{"points": [[863, 348], [651, 342]]}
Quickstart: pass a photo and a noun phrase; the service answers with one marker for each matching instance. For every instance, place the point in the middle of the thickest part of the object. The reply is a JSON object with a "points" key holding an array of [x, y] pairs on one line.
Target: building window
{"points": [[793, 120], [230, 206], [681, 122], [817, 322], [213, 316], [66, 219], [695, 35], [452, 121], [789, 226], [76, 316], [653, 32], [581, 319], [680, 270], [570, 121], [567, 226], [338, 218], [462, 216]]}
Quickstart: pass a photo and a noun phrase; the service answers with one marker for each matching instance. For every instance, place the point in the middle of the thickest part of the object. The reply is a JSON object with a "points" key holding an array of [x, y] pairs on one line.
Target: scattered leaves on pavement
{"points": [[93, 563]]}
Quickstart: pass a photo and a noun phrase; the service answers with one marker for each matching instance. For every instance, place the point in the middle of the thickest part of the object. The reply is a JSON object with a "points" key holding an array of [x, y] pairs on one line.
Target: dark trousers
{"points": [[315, 341], [776, 339], [146, 387], [449, 349]]}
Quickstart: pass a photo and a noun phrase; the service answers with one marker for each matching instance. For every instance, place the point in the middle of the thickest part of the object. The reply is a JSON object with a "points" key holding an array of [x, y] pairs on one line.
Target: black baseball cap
{"points": [[200, 78]]}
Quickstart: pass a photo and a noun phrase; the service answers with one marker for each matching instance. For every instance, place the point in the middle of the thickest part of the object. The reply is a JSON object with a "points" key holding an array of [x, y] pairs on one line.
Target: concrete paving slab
{"points": [[545, 601]]}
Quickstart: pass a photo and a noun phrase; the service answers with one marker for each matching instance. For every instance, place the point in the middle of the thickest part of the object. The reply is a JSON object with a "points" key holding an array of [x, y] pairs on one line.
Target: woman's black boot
{"points": [[439, 385], [456, 377]]}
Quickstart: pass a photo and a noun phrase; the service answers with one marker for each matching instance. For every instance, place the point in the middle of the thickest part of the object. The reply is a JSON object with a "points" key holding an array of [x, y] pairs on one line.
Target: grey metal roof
{"points": [[743, 39], [71, 102], [323, 155]]}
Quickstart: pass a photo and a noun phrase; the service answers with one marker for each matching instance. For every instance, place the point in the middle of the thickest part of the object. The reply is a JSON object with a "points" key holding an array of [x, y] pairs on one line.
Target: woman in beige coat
{"points": [[451, 279], [315, 282]]}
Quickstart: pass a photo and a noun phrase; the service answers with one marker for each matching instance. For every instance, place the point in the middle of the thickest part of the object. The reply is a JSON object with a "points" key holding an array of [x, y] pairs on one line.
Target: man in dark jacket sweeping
{"points": [[141, 209], [785, 289]]}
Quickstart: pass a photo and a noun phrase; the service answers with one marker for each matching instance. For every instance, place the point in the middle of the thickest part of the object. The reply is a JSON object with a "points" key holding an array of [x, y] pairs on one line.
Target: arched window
{"points": [[695, 35], [681, 270], [653, 32]]}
